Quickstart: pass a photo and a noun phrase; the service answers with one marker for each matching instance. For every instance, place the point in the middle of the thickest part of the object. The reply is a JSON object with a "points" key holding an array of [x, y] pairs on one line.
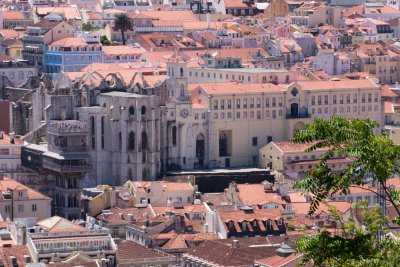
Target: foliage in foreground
{"points": [[372, 155]]}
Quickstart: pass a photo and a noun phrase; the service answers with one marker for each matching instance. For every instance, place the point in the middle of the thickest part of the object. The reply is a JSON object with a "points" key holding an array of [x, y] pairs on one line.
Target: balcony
{"points": [[299, 116], [66, 165]]}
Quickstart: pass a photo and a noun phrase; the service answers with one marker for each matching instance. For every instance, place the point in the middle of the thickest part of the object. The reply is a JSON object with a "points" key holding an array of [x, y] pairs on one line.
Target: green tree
{"points": [[104, 40], [358, 246], [89, 27], [122, 23], [372, 154]]}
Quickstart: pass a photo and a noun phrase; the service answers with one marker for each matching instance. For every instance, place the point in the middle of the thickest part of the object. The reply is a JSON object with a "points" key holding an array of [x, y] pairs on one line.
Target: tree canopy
{"points": [[372, 155], [89, 27], [122, 23]]}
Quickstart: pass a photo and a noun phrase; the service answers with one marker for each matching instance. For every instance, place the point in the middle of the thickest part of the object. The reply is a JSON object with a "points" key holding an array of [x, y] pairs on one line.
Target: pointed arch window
{"points": [[131, 141]]}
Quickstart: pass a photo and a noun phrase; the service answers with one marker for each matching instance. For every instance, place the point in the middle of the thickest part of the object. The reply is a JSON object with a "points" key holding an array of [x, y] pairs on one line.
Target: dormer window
{"points": [[279, 222], [268, 225], [230, 224], [254, 223], [244, 224], [20, 194]]}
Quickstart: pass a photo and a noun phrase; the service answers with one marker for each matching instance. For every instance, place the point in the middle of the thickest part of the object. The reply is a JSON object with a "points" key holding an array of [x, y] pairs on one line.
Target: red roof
{"points": [[8, 183], [57, 224]]}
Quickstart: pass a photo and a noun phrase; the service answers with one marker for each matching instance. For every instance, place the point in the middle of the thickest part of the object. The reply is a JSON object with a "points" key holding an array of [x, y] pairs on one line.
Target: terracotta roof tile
{"points": [[303, 208], [255, 195], [57, 224], [121, 50], [337, 85], [12, 184], [126, 249], [69, 42], [13, 15], [16, 251], [237, 88]]}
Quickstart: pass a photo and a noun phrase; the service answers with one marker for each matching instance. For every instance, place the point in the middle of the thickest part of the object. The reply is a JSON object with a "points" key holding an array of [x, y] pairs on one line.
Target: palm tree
{"points": [[123, 23]]}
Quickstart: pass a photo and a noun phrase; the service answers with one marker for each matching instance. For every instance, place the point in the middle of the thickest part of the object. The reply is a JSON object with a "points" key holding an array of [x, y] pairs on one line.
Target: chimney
{"points": [[235, 243]]}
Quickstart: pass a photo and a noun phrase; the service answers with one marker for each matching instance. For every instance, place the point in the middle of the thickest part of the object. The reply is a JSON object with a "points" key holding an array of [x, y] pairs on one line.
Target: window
{"points": [[237, 103], [229, 104], [34, 207], [319, 100], [251, 102], [238, 115], [131, 110], [174, 135], [244, 103], [313, 100], [20, 208], [334, 99], [355, 98], [267, 102], [273, 102], [131, 141], [254, 141], [7, 208], [326, 100], [348, 98], [222, 104], [279, 222], [215, 104], [258, 102]]}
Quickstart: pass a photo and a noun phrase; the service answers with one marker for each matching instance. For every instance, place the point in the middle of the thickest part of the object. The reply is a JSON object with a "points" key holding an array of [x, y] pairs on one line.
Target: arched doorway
{"points": [[200, 150], [294, 110], [223, 144]]}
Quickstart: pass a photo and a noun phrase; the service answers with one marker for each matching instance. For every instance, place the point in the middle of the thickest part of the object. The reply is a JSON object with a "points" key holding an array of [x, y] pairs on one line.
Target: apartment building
{"points": [[17, 70], [19, 202], [72, 54], [376, 60], [41, 34], [10, 153], [59, 240], [161, 193], [293, 160]]}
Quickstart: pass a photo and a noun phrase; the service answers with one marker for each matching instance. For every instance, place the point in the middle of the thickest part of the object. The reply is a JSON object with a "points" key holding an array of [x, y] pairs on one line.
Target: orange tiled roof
{"points": [[175, 15], [337, 85], [125, 249], [69, 42], [57, 224], [13, 15], [386, 92], [17, 251], [121, 49], [13, 184], [303, 208], [254, 195], [236, 88], [389, 108]]}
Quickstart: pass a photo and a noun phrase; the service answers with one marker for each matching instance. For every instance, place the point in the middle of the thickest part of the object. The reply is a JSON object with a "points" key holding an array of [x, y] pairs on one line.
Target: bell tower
{"points": [[177, 83]]}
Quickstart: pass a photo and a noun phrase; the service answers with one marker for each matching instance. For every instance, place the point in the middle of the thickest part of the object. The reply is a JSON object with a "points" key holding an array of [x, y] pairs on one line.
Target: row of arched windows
{"points": [[132, 141], [132, 110]]}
